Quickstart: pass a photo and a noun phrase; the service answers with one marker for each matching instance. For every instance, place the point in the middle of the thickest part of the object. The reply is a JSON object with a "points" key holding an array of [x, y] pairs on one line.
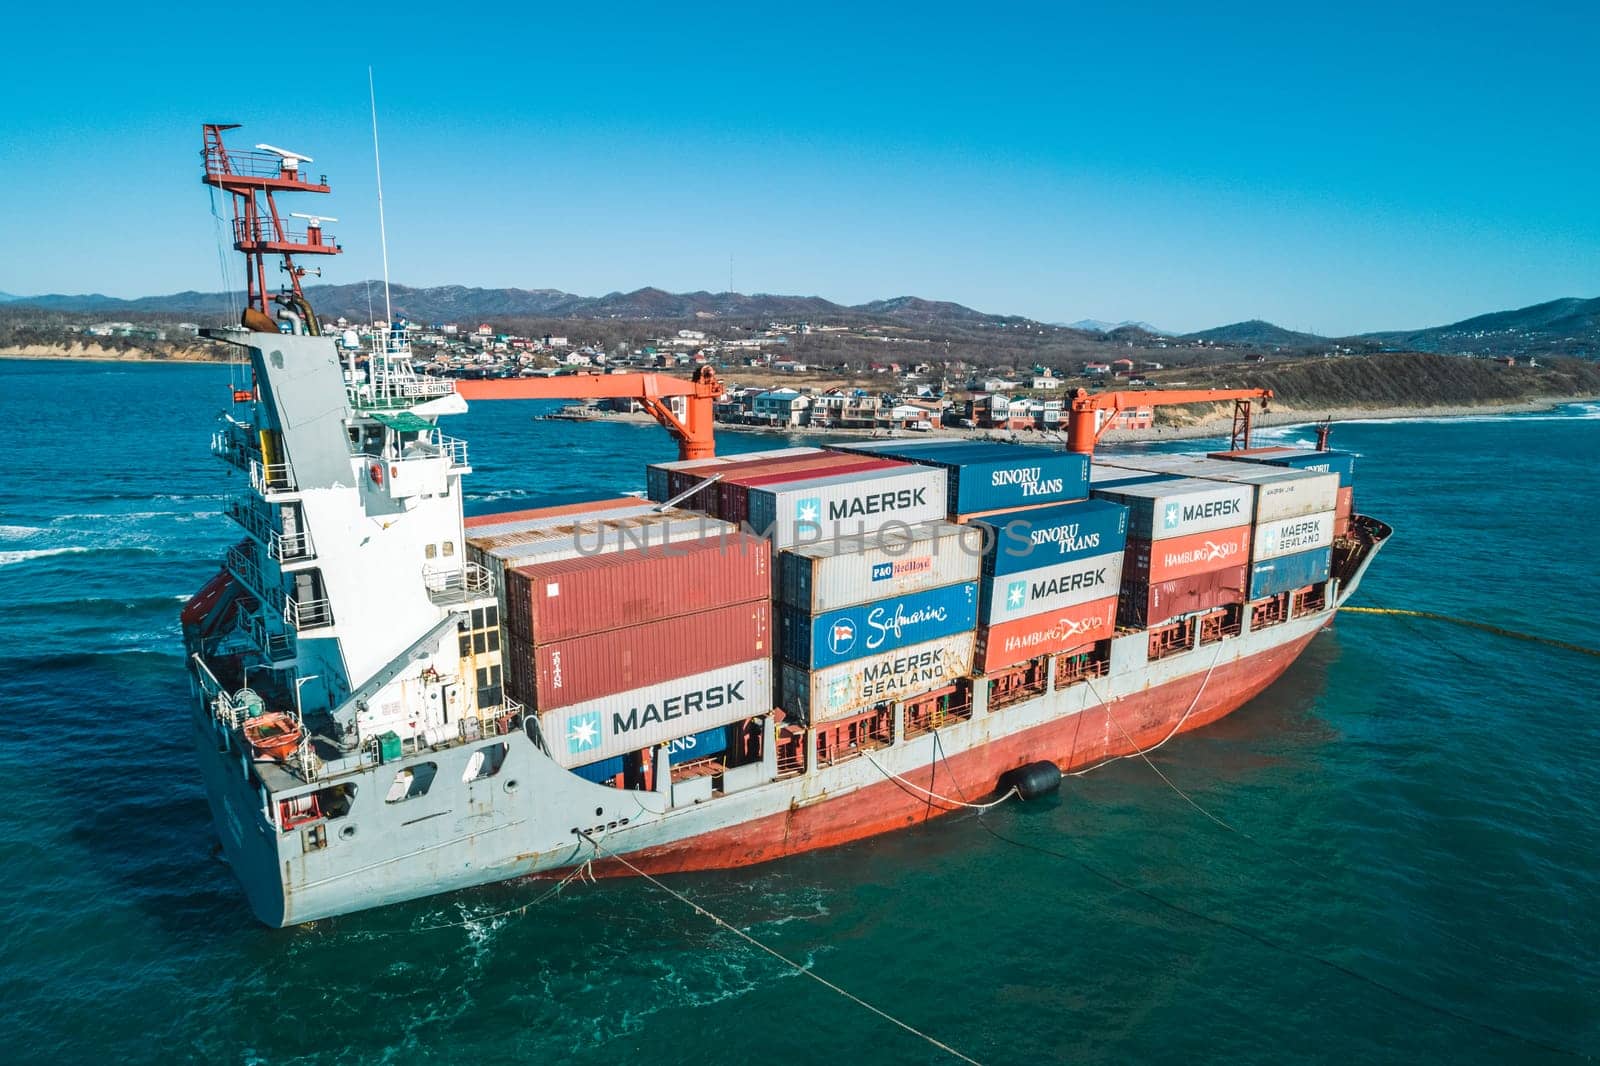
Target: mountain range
{"points": [[1570, 326]]}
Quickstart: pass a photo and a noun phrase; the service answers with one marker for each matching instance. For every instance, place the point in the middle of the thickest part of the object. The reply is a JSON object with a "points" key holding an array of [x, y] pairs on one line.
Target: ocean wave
{"points": [[11, 558], [21, 532]]}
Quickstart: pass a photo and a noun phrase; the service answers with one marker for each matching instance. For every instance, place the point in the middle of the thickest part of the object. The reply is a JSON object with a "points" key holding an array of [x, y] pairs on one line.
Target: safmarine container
{"points": [[657, 474], [733, 494], [1176, 557], [572, 671], [813, 511], [586, 732], [1270, 577], [846, 571], [555, 601], [1049, 588], [1291, 536], [834, 692], [1143, 606], [818, 640], [1341, 463], [1177, 508], [1027, 540], [993, 476], [1047, 633]]}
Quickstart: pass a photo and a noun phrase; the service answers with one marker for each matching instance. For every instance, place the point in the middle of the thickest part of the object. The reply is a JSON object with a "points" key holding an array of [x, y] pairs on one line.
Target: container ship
{"points": [[760, 655]]}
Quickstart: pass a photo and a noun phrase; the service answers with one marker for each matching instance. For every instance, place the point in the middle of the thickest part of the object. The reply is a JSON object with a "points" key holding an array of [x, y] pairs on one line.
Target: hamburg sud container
{"points": [[1009, 643], [733, 494], [1341, 463], [987, 477], [656, 474], [832, 637], [835, 692], [599, 728], [555, 601], [843, 572], [811, 511]]}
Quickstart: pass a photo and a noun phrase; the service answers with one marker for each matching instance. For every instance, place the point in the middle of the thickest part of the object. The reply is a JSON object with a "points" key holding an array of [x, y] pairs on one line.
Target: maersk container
{"points": [[814, 511], [818, 640], [1280, 492], [1329, 462], [596, 729], [1291, 536], [656, 474], [826, 695], [572, 671], [1178, 557], [1047, 633], [990, 477], [1027, 540], [733, 494], [1182, 506], [848, 571], [1143, 606], [1050, 588], [574, 597], [1270, 577]]}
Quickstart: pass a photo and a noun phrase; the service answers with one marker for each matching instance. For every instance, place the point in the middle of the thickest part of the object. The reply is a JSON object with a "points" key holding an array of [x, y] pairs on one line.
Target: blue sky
{"points": [[1337, 169]]}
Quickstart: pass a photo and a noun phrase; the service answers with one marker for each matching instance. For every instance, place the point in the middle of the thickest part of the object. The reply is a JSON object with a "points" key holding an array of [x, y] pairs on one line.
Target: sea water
{"points": [[1413, 802]]}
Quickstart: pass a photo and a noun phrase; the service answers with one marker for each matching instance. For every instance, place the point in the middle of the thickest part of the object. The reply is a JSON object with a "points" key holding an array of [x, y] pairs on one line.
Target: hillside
{"points": [[1570, 326], [1257, 334]]}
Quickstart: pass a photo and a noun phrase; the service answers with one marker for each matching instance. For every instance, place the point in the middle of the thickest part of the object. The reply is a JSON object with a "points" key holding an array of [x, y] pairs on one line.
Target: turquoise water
{"points": [[1420, 800]]}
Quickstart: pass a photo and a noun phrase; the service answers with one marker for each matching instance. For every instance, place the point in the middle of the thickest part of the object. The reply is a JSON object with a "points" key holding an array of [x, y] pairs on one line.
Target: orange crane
{"points": [[1086, 423], [694, 432]]}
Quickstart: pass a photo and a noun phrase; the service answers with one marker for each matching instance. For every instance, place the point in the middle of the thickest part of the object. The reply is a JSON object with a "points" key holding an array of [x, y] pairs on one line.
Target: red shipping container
{"points": [[734, 496], [1045, 634], [1169, 560], [1343, 510], [588, 506], [706, 500], [591, 594], [1145, 605], [603, 664], [777, 468]]}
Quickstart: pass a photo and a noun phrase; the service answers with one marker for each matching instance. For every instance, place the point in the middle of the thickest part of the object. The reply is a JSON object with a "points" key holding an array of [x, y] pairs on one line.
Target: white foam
{"points": [[11, 558], [21, 532]]}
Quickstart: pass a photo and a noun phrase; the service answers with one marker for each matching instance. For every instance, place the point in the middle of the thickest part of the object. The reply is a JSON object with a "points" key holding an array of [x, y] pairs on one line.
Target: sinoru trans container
{"points": [[1048, 633], [1269, 577], [834, 692], [573, 597], [656, 474], [809, 512], [818, 640], [1177, 508], [1048, 588], [850, 570], [989, 477], [1027, 540], [621, 722]]}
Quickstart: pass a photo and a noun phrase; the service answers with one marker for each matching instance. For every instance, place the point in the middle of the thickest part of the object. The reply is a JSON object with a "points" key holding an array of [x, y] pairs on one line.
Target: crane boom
{"points": [[1086, 426], [694, 432]]}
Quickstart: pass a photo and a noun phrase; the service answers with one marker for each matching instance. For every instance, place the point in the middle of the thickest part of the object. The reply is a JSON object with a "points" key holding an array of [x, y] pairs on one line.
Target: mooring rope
{"points": [[1177, 726], [1499, 631], [795, 966], [891, 775]]}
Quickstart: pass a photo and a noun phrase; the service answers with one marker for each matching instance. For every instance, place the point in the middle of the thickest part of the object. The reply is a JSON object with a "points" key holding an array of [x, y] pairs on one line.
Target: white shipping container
{"points": [[1163, 509], [1050, 588], [851, 570], [835, 692], [611, 725], [818, 509], [1280, 492], [1290, 536]]}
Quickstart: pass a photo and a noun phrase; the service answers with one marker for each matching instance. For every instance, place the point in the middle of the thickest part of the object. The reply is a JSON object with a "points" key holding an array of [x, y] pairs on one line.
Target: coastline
{"points": [[97, 353]]}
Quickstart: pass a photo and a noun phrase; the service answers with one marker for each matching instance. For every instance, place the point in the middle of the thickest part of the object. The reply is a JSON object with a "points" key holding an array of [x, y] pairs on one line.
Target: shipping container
{"points": [[1346, 504], [818, 640], [593, 538], [814, 511], [820, 696], [566, 672], [535, 521], [506, 517], [1048, 633], [1049, 588], [1292, 536], [698, 745], [1269, 577], [1180, 507], [1280, 492], [601, 773], [656, 474], [733, 494], [1341, 463], [596, 729], [847, 571], [574, 597], [1103, 476], [987, 476], [707, 498], [1027, 540], [1168, 560], [1143, 606]]}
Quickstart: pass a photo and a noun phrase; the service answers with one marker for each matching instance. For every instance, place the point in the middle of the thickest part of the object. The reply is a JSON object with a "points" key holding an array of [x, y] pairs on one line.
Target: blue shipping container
{"points": [[1272, 576], [1027, 540], [706, 742], [991, 477], [600, 772], [832, 637]]}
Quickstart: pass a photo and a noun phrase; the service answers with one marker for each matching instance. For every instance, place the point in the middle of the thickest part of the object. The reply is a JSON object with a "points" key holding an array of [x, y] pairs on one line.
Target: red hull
{"points": [[1072, 743]]}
